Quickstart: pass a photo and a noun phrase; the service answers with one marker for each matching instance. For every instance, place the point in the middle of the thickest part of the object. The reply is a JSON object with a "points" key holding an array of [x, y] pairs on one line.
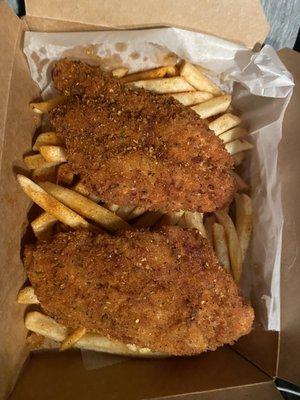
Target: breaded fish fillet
{"points": [[162, 290], [138, 148]]}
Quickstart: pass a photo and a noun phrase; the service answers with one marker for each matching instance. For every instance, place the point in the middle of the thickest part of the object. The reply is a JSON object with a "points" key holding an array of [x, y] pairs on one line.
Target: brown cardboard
{"points": [[248, 23]]}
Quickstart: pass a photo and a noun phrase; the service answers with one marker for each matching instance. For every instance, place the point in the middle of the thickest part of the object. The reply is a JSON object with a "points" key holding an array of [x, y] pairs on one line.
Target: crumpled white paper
{"points": [[261, 88]]}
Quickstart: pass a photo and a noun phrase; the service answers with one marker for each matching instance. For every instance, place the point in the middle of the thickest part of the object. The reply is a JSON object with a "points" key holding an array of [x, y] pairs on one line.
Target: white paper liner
{"points": [[262, 89]]}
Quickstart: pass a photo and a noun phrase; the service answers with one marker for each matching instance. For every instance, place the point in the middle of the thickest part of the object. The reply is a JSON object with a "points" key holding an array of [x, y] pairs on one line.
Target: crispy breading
{"points": [[162, 290], [138, 148]]}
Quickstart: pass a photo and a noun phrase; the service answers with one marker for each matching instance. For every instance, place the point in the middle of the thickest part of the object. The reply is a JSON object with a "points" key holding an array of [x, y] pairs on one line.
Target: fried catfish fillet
{"points": [[139, 148], [162, 290]]}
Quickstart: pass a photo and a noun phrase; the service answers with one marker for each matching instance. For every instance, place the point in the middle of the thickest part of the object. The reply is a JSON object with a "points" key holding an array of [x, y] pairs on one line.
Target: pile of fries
{"points": [[65, 200]]}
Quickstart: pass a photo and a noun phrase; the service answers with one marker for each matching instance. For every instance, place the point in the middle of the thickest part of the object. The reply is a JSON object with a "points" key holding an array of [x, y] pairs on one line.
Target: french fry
{"points": [[242, 186], [213, 106], [239, 158], [175, 84], [70, 340], [64, 174], [223, 123], [50, 204], [44, 174], [194, 220], [155, 73], [244, 220], [80, 188], [237, 146], [170, 218], [220, 246], [47, 139], [48, 327], [235, 252], [37, 161], [198, 80], [191, 98], [47, 105], [233, 134], [112, 207], [137, 212], [208, 225], [85, 207], [124, 212], [120, 72], [55, 154], [27, 296], [148, 219], [42, 225]]}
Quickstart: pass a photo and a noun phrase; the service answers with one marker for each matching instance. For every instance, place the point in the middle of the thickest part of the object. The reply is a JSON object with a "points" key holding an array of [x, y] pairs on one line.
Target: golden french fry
{"points": [[235, 252], [47, 139], [164, 85], [194, 220], [44, 174], [64, 174], [124, 212], [239, 158], [233, 134], [191, 98], [42, 225], [47, 105], [223, 123], [148, 219], [242, 186], [220, 246], [70, 340], [137, 212], [27, 296], [120, 72], [155, 73], [198, 80], [82, 189], [112, 207], [213, 106], [208, 225], [171, 218], [237, 146], [85, 207], [37, 161], [48, 327], [50, 204], [55, 154], [244, 220]]}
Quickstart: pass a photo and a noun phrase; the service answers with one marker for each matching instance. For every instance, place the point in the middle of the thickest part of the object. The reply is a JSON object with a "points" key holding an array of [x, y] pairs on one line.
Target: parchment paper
{"points": [[261, 88]]}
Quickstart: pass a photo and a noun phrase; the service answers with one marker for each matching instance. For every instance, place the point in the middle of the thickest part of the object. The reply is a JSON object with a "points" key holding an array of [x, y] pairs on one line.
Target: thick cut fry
{"points": [[244, 220], [164, 85], [70, 340], [155, 73], [50, 204], [112, 207], [48, 105], [64, 175], [213, 106], [42, 225], [242, 186], [137, 212], [44, 174], [239, 158], [171, 218], [194, 220], [223, 123], [233, 134], [85, 207], [148, 219], [47, 139], [27, 296], [53, 153], [233, 243], [237, 146], [198, 80], [208, 225], [120, 72], [192, 98], [81, 188], [124, 212], [37, 161], [220, 246], [48, 327]]}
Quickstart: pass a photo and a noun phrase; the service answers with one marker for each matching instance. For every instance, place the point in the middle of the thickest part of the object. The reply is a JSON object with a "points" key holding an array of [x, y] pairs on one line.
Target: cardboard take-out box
{"points": [[244, 371]]}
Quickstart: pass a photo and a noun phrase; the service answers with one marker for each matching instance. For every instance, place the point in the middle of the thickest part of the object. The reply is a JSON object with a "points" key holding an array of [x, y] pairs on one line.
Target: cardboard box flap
{"points": [[289, 167], [247, 24]]}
